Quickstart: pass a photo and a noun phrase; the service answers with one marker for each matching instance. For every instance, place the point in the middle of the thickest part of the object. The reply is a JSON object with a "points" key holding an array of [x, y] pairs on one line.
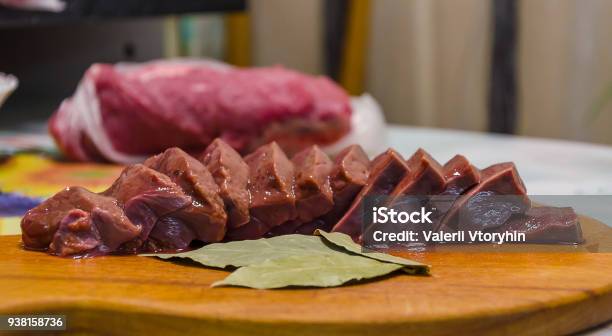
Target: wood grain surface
{"points": [[495, 293]]}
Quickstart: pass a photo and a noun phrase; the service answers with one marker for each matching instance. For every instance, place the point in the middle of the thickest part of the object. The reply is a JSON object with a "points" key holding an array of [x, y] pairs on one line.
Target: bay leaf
{"points": [[344, 241], [318, 270], [249, 252]]}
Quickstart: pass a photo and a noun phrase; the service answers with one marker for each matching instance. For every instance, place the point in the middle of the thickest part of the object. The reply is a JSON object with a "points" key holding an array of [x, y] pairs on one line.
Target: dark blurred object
{"points": [[502, 94], [96, 9], [335, 13]]}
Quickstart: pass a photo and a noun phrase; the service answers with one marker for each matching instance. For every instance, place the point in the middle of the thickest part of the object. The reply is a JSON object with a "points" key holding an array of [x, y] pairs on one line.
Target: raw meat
{"points": [[499, 195], [313, 190], [206, 210], [460, 175], [387, 170], [231, 174], [272, 189], [345, 177], [425, 178], [546, 225], [348, 177], [172, 200], [67, 223], [126, 113]]}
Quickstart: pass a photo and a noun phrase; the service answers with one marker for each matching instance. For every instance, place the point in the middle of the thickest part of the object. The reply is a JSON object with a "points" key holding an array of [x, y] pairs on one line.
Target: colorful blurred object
{"points": [[15, 204], [38, 176], [9, 226], [26, 179]]}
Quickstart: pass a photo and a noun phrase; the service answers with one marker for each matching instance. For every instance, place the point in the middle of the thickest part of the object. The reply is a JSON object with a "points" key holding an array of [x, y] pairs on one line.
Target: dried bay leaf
{"points": [[331, 259], [322, 270], [344, 241], [249, 252]]}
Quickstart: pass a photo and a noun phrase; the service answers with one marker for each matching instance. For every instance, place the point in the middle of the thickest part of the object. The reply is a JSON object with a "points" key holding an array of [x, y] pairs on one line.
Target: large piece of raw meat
{"points": [[125, 113]]}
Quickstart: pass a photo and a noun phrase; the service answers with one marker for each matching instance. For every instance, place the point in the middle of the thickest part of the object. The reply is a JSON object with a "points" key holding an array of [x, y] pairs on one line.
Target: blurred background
{"points": [[533, 67]]}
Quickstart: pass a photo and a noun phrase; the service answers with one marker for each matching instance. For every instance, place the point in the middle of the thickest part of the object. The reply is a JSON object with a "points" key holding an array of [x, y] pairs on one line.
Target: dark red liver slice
{"points": [[388, 169], [426, 177], [546, 225], [206, 213], [271, 185], [460, 175], [348, 175], [77, 221], [231, 174], [77, 234], [146, 196], [314, 196], [169, 234], [500, 194], [136, 180]]}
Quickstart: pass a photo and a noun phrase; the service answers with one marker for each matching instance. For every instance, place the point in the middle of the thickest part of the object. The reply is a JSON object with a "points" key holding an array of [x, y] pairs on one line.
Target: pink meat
{"points": [[126, 113]]}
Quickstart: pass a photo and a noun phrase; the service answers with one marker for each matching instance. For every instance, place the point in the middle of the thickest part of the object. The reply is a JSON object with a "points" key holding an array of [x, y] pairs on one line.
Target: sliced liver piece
{"points": [[460, 175], [146, 195], [500, 194], [96, 221], [314, 196], [388, 169], [76, 234], [313, 192], [169, 234], [206, 213], [349, 175], [546, 225], [254, 229], [271, 185], [136, 180], [231, 174], [425, 178]]}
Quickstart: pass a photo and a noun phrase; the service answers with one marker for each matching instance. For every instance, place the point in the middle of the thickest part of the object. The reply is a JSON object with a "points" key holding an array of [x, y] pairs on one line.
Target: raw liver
{"points": [[205, 213], [76, 234], [179, 201], [546, 225], [169, 235], [426, 177], [387, 170], [272, 189], [314, 195], [231, 174], [349, 175], [87, 211], [313, 190], [460, 175], [500, 194], [146, 195]]}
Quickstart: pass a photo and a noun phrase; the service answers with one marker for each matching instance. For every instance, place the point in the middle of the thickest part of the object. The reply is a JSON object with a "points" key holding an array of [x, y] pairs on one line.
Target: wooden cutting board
{"points": [[496, 293]]}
